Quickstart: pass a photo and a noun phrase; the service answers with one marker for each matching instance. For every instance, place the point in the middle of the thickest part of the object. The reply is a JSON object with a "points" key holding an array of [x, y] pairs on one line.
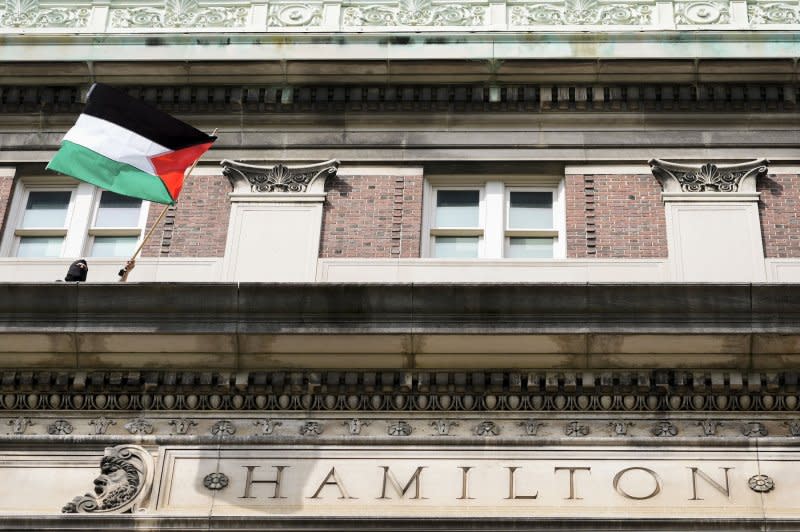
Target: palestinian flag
{"points": [[125, 146]]}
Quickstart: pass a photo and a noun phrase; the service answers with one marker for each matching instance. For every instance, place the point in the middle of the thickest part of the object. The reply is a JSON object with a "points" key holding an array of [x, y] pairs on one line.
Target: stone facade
{"points": [[286, 356]]}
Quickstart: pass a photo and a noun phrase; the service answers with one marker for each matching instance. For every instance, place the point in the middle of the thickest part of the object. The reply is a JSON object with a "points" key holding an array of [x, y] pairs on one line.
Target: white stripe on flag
{"points": [[115, 142]]}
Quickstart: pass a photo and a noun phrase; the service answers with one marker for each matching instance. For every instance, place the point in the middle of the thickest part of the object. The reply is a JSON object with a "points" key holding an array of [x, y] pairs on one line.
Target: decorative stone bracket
{"points": [[276, 220], [126, 477], [279, 178], [708, 178], [713, 229]]}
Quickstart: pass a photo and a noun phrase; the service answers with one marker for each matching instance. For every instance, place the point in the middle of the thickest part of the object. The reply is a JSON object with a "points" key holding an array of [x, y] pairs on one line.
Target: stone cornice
{"points": [[512, 95], [255, 308], [116, 393]]}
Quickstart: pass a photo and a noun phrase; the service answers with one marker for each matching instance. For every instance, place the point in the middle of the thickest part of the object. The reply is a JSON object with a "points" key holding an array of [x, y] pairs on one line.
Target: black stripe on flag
{"points": [[110, 104]]}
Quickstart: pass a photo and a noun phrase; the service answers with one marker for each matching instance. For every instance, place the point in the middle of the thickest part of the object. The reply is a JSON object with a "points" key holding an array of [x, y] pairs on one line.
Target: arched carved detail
{"points": [[126, 476]]}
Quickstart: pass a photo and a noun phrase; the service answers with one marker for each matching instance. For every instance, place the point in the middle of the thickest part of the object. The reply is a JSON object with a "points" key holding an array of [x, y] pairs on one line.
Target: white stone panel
{"points": [[715, 241], [273, 242], [614, 482]]}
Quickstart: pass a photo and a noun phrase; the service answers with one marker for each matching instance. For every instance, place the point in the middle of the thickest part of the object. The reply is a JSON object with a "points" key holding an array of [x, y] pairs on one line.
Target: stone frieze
{"points": [[172, 16], [457, 427]]}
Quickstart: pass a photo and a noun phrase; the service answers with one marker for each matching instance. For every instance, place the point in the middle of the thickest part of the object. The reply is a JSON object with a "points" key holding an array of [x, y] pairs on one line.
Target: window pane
{"points": [[46, 209], [462, 247], [531, 210], [117, 211], [530, 248], [457, 208], [40, 246], [113, 246]]}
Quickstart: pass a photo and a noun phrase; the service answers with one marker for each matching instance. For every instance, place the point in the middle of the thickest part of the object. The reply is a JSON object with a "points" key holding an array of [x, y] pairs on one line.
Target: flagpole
{"points": [[123, 273]]}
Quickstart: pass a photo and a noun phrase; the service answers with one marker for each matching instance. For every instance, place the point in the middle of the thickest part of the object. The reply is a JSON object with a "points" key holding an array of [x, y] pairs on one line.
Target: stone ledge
{"points": [[289, 309], [252, 327], [367, 524]]}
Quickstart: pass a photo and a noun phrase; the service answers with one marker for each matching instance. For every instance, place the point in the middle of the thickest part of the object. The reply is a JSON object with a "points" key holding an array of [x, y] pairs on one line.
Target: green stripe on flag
{"points": [[84, 164]]}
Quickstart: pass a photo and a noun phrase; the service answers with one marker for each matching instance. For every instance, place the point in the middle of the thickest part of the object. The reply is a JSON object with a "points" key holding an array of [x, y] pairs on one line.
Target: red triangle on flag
{"points": [[171, 166]]}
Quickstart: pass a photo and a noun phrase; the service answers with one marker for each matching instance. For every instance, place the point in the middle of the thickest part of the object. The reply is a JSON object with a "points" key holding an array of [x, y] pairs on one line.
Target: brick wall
{"points": [[197, 225], [6, 191], [615, 216], [779, 210], [372, 217]]}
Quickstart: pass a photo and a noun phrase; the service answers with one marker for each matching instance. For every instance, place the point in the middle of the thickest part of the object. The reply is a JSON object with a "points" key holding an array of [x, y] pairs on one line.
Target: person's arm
{"points": [[124, 272]]}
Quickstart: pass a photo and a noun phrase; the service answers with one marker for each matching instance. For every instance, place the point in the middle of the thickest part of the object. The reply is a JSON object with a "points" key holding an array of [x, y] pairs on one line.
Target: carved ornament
{"points": [[126, 476], [581, 12], [139, 426], [30, 14], [216, 481], [576, 429], [754, 429], [702, 12], [294, 15], [223, 428], [180, 14], [761, 483], [267, 426], [665, 429], [415, 13], [773, 13], [708, 178], [311, 428], [280, 178], [399, 428]]}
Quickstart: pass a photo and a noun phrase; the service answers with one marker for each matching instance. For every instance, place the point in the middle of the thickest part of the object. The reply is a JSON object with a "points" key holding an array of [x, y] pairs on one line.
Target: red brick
{"points": [[372, 217]]}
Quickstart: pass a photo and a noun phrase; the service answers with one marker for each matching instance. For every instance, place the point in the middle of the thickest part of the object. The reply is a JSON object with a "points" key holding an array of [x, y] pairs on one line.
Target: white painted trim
{"points": [[609, 169], [280, 197], [207, 170], [403, 171], [430, 270], [782, 169], [709, 197]]}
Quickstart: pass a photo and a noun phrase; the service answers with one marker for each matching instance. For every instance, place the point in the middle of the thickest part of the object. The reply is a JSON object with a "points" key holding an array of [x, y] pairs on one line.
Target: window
{"points": [[457, 223], [115, 230], [494, 219], [51, 218]]}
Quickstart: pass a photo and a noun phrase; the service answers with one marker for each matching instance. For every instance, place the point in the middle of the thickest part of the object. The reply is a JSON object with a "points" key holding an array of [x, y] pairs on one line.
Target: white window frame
{"points": [[556, 231], [495, 196], [78, 232], [433, 231], [93, 231]]}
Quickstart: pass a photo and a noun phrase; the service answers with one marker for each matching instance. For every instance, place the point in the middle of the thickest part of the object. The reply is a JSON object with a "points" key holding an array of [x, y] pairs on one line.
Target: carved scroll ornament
{"points": [[280, 178], [675, 177], [126, 476]]}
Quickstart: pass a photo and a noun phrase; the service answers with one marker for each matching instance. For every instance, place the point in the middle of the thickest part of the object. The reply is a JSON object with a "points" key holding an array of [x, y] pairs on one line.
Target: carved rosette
{"points": [[294, 15], [30, 14], [180, 14], [280, 178], [415, 13], [773, 13], [126, 476], [711, 178], [702, 12], [582, 12]]}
